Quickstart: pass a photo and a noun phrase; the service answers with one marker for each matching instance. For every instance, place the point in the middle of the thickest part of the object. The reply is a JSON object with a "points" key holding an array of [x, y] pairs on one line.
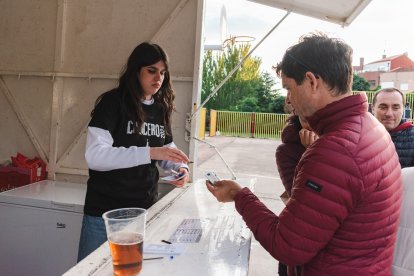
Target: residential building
{"points": [[403, 80], [396, 71]]}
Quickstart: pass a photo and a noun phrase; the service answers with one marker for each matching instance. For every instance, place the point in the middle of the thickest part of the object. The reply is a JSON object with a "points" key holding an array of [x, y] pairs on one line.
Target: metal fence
{"points": [[250, 124], [410, 102], [261, 125]]}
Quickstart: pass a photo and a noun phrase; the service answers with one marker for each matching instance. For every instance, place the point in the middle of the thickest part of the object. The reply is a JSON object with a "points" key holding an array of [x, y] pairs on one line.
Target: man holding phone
{"points": [[343, 212]]}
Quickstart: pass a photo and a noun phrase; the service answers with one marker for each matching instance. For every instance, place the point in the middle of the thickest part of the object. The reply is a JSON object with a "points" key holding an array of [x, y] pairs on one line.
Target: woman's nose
{"points": [[158, 76]]}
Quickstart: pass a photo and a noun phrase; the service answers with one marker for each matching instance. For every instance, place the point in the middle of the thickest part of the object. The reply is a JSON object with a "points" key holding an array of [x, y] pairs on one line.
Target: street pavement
{"points": [[248, 158]]}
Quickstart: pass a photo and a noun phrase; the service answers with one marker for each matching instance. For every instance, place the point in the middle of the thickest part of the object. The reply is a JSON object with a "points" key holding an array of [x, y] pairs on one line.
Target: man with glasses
{"points": [[388, 107], [343, 211]]}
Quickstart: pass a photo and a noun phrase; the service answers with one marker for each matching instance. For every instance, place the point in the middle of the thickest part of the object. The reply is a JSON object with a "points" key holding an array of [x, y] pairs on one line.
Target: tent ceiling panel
{"points": [[179, 30], [341, 12], [100, 35], [75, 113], [33, 105], [27, 40]]}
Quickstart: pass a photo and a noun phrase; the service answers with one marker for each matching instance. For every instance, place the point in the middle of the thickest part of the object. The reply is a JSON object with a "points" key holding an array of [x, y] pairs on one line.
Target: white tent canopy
{"points": [[341, 12]]}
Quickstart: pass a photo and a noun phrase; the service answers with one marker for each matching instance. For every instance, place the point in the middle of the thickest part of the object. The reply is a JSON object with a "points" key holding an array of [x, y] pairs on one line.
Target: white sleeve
{"points": [[168, 165], [100, 155]]}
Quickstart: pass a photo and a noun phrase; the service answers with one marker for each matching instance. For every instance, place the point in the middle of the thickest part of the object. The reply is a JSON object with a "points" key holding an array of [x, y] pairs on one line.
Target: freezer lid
{"points": [[57, 195]]}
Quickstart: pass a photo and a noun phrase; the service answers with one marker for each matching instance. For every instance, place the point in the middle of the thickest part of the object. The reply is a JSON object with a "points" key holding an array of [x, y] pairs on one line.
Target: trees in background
{"points": [[360, 84], [248, 90]]}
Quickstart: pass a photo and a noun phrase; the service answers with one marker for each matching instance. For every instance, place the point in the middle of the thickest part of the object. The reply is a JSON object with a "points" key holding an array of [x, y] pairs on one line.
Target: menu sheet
{"points": [[189, 231]]}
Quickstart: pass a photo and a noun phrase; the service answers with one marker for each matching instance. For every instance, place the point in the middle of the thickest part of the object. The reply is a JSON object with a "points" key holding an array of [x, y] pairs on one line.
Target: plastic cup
{"points": [[125, 229]]}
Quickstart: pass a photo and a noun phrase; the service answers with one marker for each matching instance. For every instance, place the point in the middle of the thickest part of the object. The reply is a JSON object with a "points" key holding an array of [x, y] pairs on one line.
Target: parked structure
{"points": [[394, 71]]}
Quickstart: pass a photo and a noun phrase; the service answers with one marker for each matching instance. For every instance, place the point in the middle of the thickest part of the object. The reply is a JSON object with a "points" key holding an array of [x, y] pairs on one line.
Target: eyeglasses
{"points": [[303, 64]]}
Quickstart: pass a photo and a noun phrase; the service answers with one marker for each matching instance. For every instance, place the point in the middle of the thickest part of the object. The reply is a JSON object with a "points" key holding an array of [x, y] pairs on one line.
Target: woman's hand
{"points": [[168, 153], [182, 181]]}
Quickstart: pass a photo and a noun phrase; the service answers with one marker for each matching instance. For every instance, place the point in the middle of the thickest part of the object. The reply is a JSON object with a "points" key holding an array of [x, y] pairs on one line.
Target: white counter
{"points": [[223, 249]]}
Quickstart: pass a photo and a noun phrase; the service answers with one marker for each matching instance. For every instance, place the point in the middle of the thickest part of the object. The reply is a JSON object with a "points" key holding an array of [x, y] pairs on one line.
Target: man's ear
{"points": [[313, 80]]}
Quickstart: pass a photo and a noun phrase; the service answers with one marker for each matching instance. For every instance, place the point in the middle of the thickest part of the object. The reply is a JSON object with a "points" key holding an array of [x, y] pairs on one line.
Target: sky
{"points": [[383, 27]]}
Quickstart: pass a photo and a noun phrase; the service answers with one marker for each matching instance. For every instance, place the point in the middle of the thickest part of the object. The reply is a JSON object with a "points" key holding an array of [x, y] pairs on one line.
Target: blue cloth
{"points": [[93, 234]]}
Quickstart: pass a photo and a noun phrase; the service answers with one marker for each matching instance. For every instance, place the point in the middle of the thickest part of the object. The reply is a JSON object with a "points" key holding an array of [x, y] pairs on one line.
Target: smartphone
{"points": [[212, 177]]}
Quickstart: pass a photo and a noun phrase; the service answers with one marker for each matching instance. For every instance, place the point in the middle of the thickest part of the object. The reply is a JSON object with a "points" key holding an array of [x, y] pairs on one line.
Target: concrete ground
{"points": [[248, 158]]}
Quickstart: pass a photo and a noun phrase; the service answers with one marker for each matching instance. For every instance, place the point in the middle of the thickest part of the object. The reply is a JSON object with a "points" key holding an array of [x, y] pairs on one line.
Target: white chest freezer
{"points": [[40, 228]]}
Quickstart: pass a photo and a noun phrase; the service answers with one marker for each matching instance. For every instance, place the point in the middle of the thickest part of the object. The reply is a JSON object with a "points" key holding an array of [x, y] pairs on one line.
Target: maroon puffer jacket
{"points": [[344, 208]]}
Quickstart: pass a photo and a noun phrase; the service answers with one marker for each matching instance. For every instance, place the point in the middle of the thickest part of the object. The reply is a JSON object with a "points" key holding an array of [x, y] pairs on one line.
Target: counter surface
{"points": [[223, 248]]}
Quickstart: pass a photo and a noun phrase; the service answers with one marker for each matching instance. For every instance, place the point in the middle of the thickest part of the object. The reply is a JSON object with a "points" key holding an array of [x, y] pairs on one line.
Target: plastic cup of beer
{"points": [[125, 229]]}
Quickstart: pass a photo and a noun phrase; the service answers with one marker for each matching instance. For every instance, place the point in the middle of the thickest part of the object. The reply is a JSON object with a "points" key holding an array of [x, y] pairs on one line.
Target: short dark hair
{"points": [[327, 58], [388, 90]]}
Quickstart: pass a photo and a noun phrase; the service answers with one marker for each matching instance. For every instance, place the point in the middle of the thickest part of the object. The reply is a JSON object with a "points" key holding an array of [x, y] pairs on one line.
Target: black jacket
{"points": [[403, 138]]}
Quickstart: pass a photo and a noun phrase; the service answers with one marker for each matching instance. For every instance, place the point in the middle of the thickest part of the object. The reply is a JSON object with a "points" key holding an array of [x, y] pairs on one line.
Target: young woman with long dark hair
{"points": [[130, 131]]}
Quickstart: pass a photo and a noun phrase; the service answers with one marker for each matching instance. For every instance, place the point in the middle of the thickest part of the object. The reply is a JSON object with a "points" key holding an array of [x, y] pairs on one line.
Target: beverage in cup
{"points": [[125, 229]]}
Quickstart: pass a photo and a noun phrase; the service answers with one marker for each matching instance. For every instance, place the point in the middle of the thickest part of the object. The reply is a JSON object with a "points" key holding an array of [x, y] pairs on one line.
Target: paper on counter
{"points": [[168, 249], [189, 231]]}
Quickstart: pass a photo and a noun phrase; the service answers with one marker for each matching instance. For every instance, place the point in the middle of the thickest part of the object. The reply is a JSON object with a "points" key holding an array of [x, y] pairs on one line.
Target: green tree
{"points": [[277, 106], [247, 82], [248, 104], [360, 84], [267, 95], [209, 68]]}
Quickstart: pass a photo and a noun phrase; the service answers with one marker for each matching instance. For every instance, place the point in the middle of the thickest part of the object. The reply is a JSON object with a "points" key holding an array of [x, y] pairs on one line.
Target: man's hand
{"points": [[168, 153], [224, 190]]}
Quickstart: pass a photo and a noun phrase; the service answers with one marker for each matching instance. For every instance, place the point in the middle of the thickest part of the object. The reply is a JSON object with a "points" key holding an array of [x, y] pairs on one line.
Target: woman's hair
{"points": [[143, 55]]}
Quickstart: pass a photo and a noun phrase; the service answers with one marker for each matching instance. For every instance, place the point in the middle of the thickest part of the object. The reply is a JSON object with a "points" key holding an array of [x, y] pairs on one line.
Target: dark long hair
{"points": [[143, 55]]}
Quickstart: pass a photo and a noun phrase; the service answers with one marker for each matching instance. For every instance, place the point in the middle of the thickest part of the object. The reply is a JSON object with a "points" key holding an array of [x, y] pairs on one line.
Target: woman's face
{"points": [[151, 78]]}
